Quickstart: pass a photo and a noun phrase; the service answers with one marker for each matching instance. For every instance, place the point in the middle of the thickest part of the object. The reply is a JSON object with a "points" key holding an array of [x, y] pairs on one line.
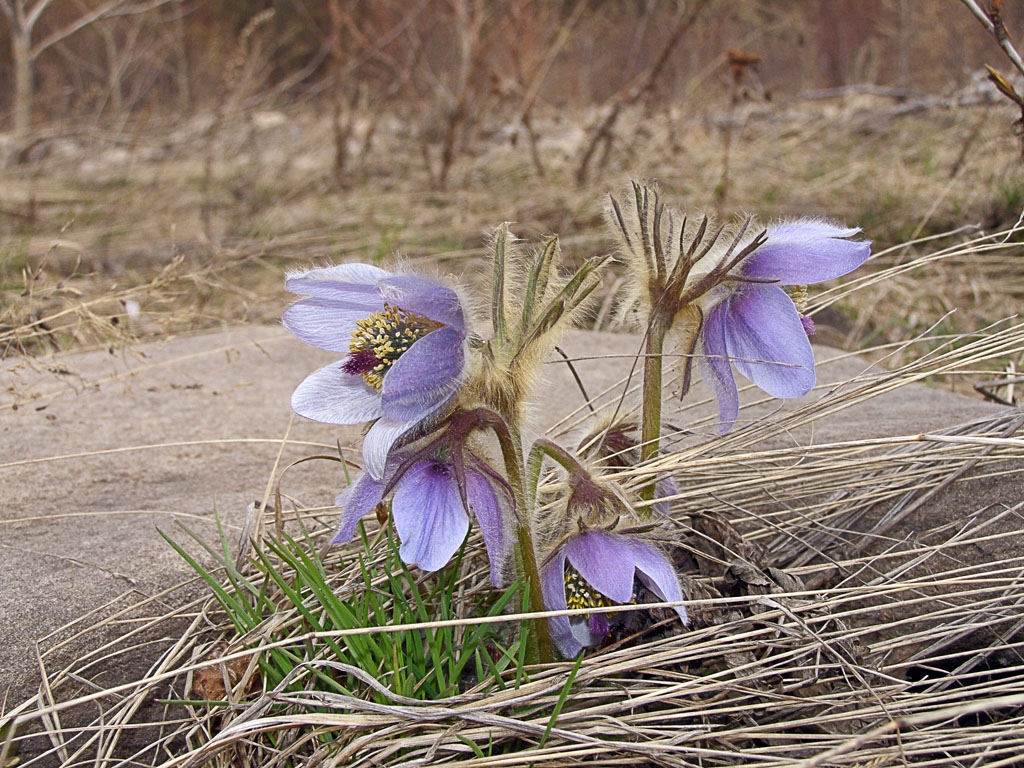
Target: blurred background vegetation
{"points": [[160, 61], [163, 160]]}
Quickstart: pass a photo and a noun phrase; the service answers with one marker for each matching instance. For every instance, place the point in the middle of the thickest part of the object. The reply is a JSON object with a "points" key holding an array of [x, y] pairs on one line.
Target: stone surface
{"points": [[101, 450]]}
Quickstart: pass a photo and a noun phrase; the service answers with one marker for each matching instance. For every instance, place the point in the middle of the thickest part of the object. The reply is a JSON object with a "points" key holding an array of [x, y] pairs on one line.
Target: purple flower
{"points": [[597, 569], [404, 344], [757, 327], [429, 515]]}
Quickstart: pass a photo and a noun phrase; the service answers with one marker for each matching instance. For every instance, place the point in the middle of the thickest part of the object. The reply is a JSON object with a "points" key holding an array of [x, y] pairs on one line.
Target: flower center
{"points": [[380, 339], [579, 593]]}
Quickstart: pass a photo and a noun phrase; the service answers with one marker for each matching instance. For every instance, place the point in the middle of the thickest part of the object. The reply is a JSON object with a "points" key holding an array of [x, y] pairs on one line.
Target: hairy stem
{"points": [[526, 557], [650, 427]]}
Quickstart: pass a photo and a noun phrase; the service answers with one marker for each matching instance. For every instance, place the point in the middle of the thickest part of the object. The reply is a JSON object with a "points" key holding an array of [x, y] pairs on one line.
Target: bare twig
{"points": [[603, 132]]}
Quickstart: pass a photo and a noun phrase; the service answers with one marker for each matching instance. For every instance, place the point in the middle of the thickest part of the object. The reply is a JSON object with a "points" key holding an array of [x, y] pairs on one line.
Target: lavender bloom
{"points": [[597, 569], [757, 327], [404, 343], [429, 515]]}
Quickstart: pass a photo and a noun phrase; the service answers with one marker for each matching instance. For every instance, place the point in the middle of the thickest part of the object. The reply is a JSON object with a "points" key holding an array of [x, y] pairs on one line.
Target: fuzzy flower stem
{"points": [[545, 448], [507, 431], [650, 426], [526, 559]]}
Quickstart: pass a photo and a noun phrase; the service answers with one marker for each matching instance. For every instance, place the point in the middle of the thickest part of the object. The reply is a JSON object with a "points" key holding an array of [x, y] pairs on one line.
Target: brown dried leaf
{"points": [[208, 682]]}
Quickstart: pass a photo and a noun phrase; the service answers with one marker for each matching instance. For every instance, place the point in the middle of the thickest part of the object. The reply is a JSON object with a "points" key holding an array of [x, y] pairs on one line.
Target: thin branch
{"points": [[35, 13], [113, 8], [998, 32], [633, 93]]}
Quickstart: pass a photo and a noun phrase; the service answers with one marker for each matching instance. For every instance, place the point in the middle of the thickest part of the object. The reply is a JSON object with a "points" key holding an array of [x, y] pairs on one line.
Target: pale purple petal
{"points": [[658, 575], [322, 323], [716, 370], [378, 441], [365, 297], [352, 281], [335, 397], [487, 509], [427, 373], [358, 499], [552, 585], [604, 562], [804, 252], [429, 516], [425, 297], [807, 228], [767, 342], [581, 631]]}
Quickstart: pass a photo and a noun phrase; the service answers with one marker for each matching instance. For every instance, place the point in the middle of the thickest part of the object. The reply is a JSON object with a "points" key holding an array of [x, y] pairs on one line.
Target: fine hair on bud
{"points": [[570, 502], [657, 242], [531, 306]]}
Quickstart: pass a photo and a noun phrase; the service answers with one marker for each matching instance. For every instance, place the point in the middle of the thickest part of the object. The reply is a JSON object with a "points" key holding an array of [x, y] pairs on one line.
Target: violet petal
{"points": [[426, 374], [604, 561], [552, 585], [767, 342], [488, 514], [358, 499], [330, 395], [807, 251], [378, 442], [425, 297], [716, 369], [663, 489], [658, 575], [580, 628], [323, 323], [352, 281], [597, 625], [429, 516]]}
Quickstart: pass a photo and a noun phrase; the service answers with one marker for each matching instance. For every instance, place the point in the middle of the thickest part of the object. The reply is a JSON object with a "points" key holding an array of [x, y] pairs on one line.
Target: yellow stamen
{"points": [[387, 334], [579, 594], [799, 295]]}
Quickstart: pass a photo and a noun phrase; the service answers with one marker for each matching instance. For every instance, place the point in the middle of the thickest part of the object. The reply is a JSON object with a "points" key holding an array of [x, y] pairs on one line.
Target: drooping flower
{"points": [[404, 341], [429, 514], [592, 569], [755, 324]]}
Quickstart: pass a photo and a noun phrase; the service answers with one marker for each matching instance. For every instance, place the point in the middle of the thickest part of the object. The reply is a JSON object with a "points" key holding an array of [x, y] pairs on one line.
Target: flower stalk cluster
{"points": [[446, 408]]}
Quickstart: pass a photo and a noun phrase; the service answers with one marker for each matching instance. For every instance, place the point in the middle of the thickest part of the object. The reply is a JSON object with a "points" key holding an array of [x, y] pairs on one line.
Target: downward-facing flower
{"points": [[429, 514], [755, 324], [595, 566], [595, 569], [404, 344]]}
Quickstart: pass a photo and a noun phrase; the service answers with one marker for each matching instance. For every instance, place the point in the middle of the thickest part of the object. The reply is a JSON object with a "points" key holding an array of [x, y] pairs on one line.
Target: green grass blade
{"points": [[561, 699]]}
